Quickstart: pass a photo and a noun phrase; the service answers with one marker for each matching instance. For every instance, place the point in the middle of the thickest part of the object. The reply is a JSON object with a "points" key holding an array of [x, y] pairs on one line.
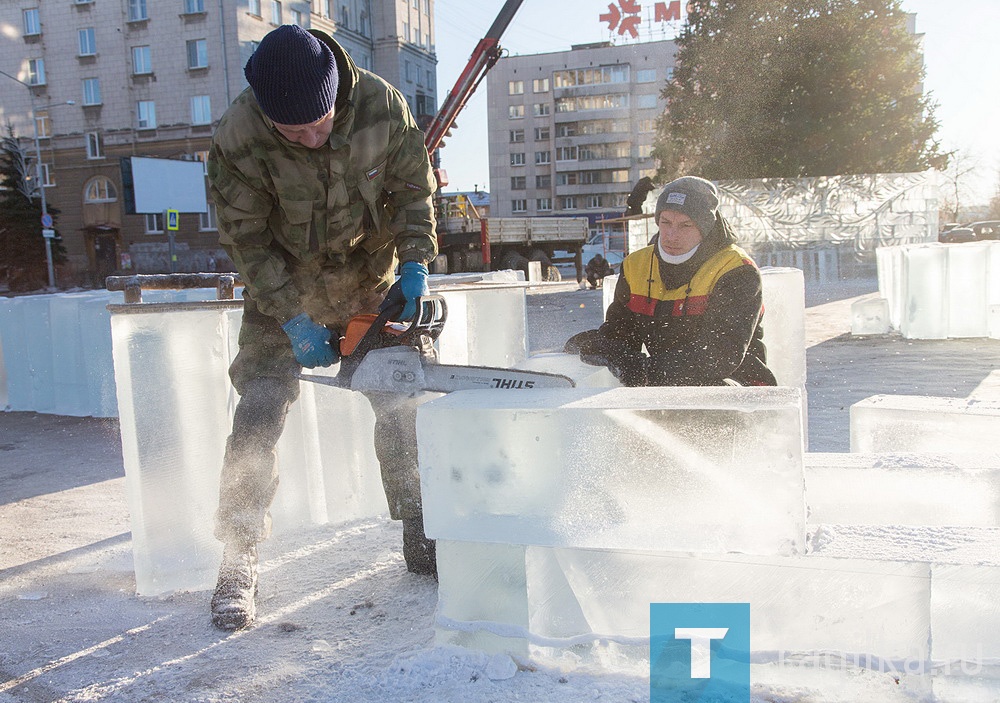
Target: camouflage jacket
{"points": [[319, 230]]}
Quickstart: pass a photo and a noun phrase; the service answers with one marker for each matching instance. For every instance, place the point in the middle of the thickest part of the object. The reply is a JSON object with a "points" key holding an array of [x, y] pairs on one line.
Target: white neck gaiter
{"points": [[678, 258]]}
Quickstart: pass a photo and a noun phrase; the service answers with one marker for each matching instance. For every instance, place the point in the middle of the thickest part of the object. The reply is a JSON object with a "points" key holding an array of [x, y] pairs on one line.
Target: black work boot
{"points": [[233, 606], [419, 551]]}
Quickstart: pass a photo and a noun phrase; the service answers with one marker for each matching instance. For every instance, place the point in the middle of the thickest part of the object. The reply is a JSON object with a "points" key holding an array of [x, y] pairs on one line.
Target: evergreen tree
{"points": [[798, 88], [23, 260]]}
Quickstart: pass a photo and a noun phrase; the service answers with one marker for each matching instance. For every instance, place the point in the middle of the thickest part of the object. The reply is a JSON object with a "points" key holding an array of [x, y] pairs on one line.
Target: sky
{"points": [[961, 56]]}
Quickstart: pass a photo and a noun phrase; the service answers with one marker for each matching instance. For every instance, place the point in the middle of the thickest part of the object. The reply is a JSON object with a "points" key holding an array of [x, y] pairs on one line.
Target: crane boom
{"points": [[484, 57]]}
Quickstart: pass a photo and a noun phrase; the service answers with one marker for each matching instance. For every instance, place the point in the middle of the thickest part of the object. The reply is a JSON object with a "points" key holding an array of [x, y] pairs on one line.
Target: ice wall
{"points": [[938, 291]]}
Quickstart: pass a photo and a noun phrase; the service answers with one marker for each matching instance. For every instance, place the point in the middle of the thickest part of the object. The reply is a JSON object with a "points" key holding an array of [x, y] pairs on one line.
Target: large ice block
{"points": [[967, 292], [584, 375], [784, 324], [902, 489], [965, 616], [693, 469], [914, 423], [487, 325], [925, 283], [482, 596], [176, 401], [889, 264], [870, 315], [592, 606]]}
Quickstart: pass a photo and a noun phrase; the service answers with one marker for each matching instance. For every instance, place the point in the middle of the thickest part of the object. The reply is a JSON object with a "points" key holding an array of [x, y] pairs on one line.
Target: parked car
{"points": [[989, 229], [956, 235]]}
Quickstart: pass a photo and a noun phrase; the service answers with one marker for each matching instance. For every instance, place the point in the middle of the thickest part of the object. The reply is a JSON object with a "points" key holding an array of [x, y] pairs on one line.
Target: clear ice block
{"points": [[902, 489], [784, 324], [913, 423], [889, 263], [965, 616], [925, 284], [697, 469], [966, 295], [487, 325], [870, 315]]}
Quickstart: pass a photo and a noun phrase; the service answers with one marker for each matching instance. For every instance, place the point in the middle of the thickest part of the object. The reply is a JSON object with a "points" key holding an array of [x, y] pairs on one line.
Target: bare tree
{"points": [[958, 183]]}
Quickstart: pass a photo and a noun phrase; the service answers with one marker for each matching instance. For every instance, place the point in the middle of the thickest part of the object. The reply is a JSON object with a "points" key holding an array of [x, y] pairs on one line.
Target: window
{"points": [[91, 91], [88, 42], [519, 205], [647, 125], [197, 51], [43, 126], [518, 182], [541, 134], [146, 114], [540, 85], [543, 157], [201, 109], [254, 8], [515, 87], [566, 153], [542, 109], [137, 11], [406, 31], [206, 220], [47, 179], [154, 223], [99, 189], [568, 178], [544, 181], [194, 6], [141, 60], [32, 25], [95, 150], [516, 112], [203, 157], [408, 71], [569, 202], [275, 12], [594, 201], [516, 136], [645, 75], [646, 101], [566, 130], [543, 204], [297, 17], [517, 159], [36, 71]]}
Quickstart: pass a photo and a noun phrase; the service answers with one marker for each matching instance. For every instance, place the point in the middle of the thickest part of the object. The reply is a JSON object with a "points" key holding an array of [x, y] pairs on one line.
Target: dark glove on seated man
{"points": [[596, 349]]}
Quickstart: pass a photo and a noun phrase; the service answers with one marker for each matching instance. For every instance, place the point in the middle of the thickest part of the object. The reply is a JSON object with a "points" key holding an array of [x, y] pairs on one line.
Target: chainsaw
{"points": [[381, 354]]}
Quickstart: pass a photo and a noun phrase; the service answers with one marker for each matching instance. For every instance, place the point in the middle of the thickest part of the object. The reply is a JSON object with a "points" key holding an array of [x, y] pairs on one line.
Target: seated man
{"points": [[597, 268], [692, 298]]}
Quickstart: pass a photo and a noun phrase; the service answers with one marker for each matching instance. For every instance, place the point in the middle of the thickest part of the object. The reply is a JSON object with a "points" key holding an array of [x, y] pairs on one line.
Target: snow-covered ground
{"points": [[340, 619]]}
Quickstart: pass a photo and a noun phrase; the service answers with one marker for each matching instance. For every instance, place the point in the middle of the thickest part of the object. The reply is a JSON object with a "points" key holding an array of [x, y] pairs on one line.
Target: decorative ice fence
{"points": [[939, 291]]}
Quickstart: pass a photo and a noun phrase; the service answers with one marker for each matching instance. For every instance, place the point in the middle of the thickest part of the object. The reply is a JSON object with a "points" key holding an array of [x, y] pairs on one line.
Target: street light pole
{"points": [[41, 180]]}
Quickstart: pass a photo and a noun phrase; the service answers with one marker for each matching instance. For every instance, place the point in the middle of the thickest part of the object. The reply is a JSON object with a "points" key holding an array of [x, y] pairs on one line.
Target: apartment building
{"points": [[572, 131], [106, 79]]}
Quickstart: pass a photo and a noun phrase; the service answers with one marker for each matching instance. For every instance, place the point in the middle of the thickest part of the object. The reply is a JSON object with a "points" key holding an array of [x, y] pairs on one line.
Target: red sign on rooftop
{"points": [[625, 15]]}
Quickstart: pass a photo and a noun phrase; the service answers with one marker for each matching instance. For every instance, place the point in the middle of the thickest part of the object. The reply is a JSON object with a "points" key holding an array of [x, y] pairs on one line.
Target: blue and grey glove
{"points": [[412, 284], [310, 342]]}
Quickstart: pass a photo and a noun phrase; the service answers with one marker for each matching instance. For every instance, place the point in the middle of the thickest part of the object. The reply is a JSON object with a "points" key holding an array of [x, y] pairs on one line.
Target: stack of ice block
{"points": [[904, 423], [176, 403], [936, 291]]}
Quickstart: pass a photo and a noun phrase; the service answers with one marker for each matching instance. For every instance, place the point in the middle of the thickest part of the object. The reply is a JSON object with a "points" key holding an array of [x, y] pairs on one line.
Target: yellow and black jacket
{"points": [[700, 320]]}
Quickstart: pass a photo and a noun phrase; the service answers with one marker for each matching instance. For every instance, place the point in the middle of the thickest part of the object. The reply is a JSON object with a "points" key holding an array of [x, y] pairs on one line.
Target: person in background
{"points": [[692, 298], [321, 182], [597, 268]]}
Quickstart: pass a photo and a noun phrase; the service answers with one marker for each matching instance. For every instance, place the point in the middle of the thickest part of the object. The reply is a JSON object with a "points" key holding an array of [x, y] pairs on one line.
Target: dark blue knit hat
{"points": [[293, 75]]}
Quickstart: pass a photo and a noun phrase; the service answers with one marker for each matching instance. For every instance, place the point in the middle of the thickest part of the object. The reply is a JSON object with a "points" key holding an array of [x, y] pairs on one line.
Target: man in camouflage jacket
{"points": [[321, 182]]}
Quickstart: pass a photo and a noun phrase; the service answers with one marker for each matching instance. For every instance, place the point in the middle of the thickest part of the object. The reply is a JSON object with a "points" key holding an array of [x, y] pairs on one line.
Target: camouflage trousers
{"points": [[264, 374]]}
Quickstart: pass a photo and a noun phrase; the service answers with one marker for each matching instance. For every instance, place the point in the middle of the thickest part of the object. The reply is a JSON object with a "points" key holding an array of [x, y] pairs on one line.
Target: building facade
{"points": [[571, 132], [107, 79]]}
